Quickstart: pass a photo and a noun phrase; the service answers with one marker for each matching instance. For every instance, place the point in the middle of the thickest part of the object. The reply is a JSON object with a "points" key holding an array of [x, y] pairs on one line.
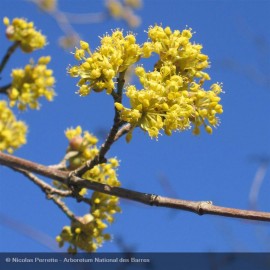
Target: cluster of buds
{"points": [[88, 232], [31, 83], [25, 34], [12, 132], [173, 97], [28, 84], [98, 70]]}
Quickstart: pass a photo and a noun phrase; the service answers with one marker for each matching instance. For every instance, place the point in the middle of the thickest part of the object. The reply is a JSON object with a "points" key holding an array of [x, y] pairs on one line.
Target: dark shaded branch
{"points": [[9, 52], [100, 158], [19, 163], [4, 89], [199, 207]]}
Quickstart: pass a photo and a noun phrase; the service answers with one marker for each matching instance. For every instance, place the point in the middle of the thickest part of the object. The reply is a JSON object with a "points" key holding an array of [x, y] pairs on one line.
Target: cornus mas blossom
{"points": [[173, 96], [25, 34], [12, 132], [27, 84], [31, 83], [87, 232], [98, 70]]}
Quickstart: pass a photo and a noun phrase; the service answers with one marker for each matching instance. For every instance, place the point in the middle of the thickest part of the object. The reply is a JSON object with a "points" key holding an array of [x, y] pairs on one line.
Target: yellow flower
{"points": [[88, 233], [98, 70], [172, 97], [83, 143], [31, 83], [12, 132], [25, 34]]}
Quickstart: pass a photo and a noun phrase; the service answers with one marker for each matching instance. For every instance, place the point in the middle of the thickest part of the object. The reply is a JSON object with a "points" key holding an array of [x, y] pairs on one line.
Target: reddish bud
{"points": [[75, 143]]}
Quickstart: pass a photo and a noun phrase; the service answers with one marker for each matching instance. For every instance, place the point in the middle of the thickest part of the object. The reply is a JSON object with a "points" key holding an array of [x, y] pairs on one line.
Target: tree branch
{"points": [[100, 158], [9, 52], [51, 192], [4, 89], [122, 131], [46, 188], [64, 208], [199, 207]]}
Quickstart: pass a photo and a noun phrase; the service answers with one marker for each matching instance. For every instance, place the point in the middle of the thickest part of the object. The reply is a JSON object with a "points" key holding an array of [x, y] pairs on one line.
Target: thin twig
{"points": [[46, 188], [4, 89], [50, 192], [100, 158], [9, 52], [62, 165], [199, 207], [122, 131], [64, 208]]}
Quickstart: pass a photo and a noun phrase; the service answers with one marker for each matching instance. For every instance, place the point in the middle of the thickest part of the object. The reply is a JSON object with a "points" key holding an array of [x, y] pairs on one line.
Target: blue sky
{"points": [[220, 167]]}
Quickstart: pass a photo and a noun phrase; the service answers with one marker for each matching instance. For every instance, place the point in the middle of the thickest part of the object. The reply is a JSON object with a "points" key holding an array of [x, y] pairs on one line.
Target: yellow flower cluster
{"points": [[87, 233], [31, 83], [25, 34], [12, 132], [84, 146], [81, 148], [173, 96], [125, 11], [98, 71]]}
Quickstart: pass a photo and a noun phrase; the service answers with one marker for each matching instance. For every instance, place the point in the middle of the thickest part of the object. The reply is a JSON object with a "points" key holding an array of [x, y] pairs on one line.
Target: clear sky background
{"points": [[219, 167]]}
